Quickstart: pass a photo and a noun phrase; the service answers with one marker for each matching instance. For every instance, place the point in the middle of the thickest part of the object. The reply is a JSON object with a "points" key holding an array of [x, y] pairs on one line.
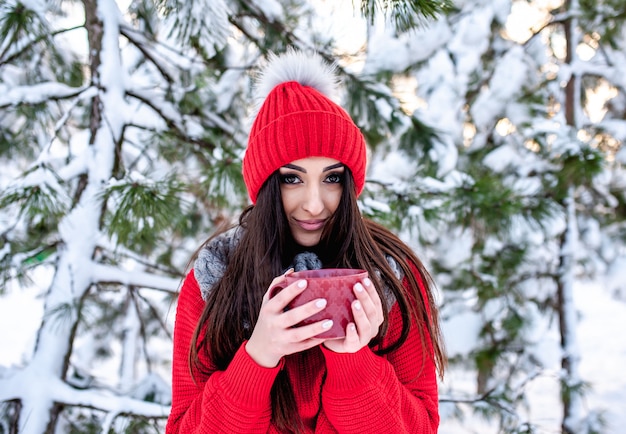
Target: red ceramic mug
{"points": [[333, 284]]}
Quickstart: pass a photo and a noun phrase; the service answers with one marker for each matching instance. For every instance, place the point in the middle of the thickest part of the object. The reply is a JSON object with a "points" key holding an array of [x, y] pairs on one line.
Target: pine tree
{"points": [[581, 162]]}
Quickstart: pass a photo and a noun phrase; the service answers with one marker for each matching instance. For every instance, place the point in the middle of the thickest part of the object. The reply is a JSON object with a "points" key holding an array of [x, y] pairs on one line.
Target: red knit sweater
{"points": [[335, 393]]}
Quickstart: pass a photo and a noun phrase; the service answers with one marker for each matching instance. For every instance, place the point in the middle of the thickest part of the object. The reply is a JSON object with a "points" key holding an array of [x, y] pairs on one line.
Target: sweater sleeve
{"points": [[365, 392], [218, 401]]}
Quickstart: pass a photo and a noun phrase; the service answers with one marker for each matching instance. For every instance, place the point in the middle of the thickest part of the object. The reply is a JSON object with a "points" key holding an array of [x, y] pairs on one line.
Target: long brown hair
{"points": [[266, 248]]}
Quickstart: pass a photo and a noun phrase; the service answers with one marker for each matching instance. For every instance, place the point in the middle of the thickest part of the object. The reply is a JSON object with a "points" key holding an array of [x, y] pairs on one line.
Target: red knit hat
{"points": [[297, 119]]}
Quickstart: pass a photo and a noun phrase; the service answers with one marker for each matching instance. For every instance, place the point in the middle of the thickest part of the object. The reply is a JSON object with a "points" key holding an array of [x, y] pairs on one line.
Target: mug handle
{"points": [[276, 288]]}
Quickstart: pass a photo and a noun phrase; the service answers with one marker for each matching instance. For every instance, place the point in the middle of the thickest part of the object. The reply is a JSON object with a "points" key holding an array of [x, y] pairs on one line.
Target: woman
{"points": [[240, 363]]}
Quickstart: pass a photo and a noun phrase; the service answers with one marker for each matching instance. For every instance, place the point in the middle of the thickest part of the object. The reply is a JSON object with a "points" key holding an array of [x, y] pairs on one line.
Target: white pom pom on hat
{"points": [[308, 70], [297, 119]]}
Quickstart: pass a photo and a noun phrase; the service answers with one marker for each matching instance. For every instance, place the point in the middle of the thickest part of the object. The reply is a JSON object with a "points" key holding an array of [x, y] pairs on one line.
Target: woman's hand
{"points": [[274, 335], [368, 317]]}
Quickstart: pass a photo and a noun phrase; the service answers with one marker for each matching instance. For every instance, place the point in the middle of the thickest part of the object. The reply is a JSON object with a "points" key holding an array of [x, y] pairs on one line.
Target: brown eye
{"points": [[289, 179], [334, 178]]}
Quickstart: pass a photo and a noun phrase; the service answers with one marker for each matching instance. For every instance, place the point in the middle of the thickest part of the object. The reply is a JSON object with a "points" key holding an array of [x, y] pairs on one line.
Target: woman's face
{"points": [[311, 190]]}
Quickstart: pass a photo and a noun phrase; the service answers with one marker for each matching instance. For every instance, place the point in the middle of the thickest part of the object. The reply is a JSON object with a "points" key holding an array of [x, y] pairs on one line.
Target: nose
{"points": [[312, 201]]}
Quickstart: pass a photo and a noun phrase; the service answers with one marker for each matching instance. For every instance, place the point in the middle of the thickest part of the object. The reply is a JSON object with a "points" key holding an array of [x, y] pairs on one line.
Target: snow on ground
{"points": [[602, 338]]}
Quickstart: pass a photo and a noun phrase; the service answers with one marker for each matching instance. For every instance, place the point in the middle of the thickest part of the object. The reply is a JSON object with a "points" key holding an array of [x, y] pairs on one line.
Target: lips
{"points": [[310, 225]]}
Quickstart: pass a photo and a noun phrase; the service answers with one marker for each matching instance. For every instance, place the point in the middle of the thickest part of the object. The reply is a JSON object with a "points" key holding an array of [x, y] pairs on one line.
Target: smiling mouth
{"points": [[310, 225]]}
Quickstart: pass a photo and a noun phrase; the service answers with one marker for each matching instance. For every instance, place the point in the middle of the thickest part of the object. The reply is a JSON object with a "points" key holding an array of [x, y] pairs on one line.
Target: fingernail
{"points": [[352, 327], [288, 272], [321, 302], [358, 287], [327, 324], [301, 283], [357, 305], [367, 281]]}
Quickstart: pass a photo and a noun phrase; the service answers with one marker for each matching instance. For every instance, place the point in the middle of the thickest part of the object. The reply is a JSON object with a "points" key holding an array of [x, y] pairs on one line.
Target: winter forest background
{"points": [[495, 130]]}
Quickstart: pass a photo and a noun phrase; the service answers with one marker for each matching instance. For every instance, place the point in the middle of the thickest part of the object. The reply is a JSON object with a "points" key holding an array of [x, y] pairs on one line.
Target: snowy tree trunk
{"points": [[571, 382], [573, 106], [80, 229]]}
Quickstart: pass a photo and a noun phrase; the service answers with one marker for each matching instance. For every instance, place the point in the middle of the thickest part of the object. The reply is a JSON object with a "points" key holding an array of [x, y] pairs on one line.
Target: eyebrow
{"points": [[303, 170]]}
